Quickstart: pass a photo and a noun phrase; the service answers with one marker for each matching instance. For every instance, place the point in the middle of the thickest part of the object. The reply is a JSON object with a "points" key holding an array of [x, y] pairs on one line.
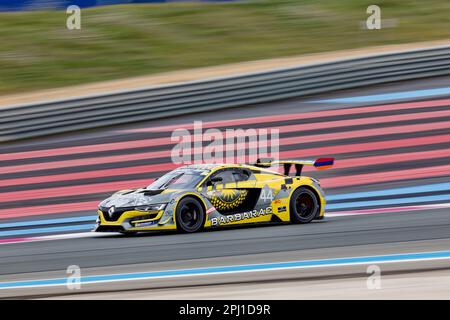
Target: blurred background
{"points": [[117, 41]]}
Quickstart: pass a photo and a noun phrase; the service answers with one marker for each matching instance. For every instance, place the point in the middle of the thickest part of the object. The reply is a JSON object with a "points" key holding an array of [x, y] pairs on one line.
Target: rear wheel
{"points": [[190, 216], [304, 205]]}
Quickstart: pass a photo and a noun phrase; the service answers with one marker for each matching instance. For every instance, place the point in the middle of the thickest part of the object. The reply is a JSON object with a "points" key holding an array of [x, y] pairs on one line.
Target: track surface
{"points": [[117, 250], [384, 145]]}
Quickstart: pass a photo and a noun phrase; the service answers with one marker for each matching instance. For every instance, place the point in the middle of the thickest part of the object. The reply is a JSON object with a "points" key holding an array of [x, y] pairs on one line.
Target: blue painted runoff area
{"points": [[407, 257], [391, 96], [23, 232]]}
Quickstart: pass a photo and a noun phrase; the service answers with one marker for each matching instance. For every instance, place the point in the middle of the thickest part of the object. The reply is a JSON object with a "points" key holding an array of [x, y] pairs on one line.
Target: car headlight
{"points": [[152, 207]]}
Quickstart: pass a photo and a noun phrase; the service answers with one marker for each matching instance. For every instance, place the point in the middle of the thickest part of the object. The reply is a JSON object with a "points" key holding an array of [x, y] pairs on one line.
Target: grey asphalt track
{"points": [[117, 250]]}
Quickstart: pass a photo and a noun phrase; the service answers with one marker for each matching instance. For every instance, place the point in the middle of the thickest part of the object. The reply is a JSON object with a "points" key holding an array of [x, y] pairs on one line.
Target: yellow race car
{"points": [[194, 197]]}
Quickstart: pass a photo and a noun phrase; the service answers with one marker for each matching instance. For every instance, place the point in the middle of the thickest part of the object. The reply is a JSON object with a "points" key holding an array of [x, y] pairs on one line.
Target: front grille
{"points": [[117, 213]]}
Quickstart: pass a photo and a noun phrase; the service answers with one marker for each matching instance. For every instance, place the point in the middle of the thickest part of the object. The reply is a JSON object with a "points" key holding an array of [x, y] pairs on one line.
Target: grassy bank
{"points": [[37, 51]]}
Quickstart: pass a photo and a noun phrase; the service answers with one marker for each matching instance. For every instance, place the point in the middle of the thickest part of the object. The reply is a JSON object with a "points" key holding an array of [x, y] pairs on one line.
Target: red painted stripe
{"points": [[372, 146], [352, 180], [90, 174], [48, 209], [223, 123], [73, 190], [392, 159], [298, 116], [306, 138], [85, 149], [110, 186], [386, 176], [363, 121], [14, 240], [333, 150]]}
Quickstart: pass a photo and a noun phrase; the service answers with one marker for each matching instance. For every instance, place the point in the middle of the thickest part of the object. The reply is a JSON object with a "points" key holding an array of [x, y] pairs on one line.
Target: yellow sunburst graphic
{"points": [[229, 195], [228, 199]]}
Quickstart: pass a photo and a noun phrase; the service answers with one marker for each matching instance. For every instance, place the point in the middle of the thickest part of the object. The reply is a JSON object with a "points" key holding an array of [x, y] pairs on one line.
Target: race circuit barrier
{"points": [[32, 120]]}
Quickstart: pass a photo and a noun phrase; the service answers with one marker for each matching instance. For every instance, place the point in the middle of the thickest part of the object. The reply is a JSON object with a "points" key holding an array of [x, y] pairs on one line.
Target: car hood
{"points": [[138, 197]]}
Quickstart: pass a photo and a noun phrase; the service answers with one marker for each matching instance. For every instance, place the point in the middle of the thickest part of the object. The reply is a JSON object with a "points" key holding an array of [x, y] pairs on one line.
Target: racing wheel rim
{"points": [[190, 216], [305, 205]]}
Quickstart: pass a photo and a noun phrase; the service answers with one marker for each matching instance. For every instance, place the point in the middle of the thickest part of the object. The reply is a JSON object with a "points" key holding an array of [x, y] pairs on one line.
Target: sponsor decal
{"points": [[240, 216], [146, 224], [267, 194], [210, 210], [281, 209], [228, 199]]}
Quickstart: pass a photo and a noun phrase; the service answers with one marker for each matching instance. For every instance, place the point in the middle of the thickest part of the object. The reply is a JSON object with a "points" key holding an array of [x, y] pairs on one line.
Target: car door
{"points": [[232, 194]]}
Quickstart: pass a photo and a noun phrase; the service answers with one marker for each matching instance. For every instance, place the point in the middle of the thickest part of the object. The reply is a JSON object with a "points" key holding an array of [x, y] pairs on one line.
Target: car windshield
{"points": [[179, 179]]}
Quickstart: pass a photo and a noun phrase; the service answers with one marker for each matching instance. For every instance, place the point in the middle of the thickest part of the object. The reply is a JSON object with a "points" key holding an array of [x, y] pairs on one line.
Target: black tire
{"points": [[189, 215], [304, 205]]}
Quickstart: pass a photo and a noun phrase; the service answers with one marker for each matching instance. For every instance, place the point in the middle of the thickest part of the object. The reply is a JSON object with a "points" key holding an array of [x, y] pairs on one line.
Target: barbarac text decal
{"points": [[240, 216]]}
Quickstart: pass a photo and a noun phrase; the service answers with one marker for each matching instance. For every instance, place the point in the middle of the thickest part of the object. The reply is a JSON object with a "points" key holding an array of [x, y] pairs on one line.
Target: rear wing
{"points": [[319, 164]]}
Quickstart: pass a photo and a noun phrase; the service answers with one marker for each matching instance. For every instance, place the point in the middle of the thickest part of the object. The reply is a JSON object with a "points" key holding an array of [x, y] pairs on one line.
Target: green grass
{"points": [[37, 51]]}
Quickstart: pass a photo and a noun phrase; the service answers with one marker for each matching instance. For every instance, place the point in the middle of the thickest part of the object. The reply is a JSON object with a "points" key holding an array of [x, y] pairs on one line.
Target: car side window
{"points": [[226, 175], [241, 175]]}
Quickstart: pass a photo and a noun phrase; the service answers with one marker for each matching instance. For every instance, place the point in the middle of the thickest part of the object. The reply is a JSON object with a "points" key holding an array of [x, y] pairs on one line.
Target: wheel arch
{"points": [[192, 195], [313, 190]]}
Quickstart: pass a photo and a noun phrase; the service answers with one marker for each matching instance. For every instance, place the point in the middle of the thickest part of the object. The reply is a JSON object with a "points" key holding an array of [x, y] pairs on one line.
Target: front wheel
{"points": [[189, 215], [304, 205]]}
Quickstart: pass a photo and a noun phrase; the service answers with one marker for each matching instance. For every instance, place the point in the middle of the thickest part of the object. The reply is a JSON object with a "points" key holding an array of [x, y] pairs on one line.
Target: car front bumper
{"points": [[133, 220]]}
